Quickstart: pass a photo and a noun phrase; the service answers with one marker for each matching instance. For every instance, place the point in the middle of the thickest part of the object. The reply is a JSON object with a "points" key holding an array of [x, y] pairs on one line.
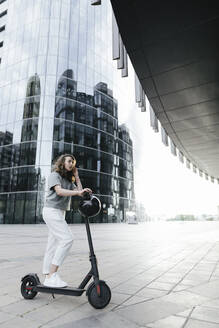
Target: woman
{"points": [[60, 189]]}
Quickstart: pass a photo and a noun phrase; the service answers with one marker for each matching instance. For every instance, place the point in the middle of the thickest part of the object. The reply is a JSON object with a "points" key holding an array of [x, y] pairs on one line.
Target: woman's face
{"points": [[68, 163]]}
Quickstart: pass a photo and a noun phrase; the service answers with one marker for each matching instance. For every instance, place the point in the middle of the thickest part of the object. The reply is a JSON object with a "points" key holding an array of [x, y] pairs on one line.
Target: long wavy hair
{"points": [[60, 167]]}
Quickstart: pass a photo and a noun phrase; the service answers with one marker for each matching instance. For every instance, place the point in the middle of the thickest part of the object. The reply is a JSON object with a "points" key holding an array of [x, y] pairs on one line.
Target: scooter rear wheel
{"points": [[27, 288], [102, 300]]}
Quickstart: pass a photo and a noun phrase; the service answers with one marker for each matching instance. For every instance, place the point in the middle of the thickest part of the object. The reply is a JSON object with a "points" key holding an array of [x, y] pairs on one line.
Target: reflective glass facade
{"points": [[56, 86]]}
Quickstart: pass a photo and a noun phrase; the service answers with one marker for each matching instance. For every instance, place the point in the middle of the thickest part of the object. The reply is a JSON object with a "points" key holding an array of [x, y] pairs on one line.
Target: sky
{"points": [[162, 183]]}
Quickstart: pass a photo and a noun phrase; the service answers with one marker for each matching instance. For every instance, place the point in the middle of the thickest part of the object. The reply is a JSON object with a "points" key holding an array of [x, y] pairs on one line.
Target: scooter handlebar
{"points": [[87, 196]]}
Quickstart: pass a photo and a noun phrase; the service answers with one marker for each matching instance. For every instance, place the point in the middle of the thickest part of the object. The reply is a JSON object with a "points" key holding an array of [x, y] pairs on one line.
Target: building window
{"points": [[32, 101], [31, 110]]}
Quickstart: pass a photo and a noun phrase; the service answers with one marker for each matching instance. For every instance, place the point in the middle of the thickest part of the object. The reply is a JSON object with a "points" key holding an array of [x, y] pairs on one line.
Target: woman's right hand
{"points": [[83, 191]]}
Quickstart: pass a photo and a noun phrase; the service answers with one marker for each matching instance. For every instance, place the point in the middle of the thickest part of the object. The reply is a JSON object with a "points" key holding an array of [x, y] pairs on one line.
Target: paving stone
{"points": [[69, 317], [118, 298], [198, 277], [200, 324], [24, 306], [210, 289], [151, 293], [185, 298], [77, 315], [168, 278], [212, 303], [52, 311], [111, 319], [206, 314], [6, 299], [92, 322], [5, 317], [180, 287], [149, 311], [161, 285], [127, 288], [191, 282], [10, 289], [20, 323], [169, 322], [135, 300], [185, 313]]}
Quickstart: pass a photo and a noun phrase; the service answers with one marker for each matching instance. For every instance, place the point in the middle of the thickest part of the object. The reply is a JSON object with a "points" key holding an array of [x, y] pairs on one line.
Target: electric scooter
{"points": [[98, 292]]}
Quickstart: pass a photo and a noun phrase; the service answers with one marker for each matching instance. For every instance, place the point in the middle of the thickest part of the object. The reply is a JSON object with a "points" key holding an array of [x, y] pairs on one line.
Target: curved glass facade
{"points": [[56, 84]]}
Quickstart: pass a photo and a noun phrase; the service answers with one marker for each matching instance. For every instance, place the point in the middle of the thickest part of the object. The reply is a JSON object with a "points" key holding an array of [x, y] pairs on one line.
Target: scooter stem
{"points": [[90, 243], [94, 269]]}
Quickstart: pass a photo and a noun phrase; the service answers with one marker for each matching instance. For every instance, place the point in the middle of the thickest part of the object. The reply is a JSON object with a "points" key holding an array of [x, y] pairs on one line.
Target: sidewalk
{"points": [[162, 275]]}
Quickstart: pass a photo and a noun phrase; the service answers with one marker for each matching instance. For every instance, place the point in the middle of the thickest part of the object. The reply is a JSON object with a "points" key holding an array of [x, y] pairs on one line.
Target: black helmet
{"points": [[89, 206]]}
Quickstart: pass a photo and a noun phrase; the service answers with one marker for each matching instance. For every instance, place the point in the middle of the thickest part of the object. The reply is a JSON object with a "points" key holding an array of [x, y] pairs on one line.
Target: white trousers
{"points": [[60, 238]]}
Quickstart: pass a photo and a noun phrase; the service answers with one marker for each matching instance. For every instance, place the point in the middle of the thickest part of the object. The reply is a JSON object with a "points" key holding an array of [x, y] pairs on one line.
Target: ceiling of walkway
{"points": [[174, 48]]}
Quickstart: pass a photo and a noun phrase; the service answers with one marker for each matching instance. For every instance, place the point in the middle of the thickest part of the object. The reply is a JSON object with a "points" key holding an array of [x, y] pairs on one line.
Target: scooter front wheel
{"points": [[27, 287], [99, 295]]}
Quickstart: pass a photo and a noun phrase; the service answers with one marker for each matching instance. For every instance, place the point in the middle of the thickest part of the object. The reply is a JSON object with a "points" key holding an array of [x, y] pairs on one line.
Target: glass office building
{"points": [[57, 96]]}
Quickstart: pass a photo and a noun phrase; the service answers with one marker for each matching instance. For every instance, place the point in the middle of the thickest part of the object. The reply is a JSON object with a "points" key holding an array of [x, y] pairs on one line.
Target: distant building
{"points": [[57, 97]]}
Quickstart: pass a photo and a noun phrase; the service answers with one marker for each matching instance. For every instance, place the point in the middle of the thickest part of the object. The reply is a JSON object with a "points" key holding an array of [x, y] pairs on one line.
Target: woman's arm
{"points": [[65, 192], [78, 183], [77, 179]]}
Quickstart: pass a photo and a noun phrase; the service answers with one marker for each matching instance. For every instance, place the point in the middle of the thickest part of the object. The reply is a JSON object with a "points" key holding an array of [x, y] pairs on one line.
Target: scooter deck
{"points": [[58, 290]]}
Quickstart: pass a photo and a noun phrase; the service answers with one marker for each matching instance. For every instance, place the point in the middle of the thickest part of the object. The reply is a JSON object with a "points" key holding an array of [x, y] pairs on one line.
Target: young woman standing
{"points": [[61, 187]]}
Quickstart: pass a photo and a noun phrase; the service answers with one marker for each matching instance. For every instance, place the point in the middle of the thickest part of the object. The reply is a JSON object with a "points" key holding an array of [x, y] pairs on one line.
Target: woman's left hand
{"points": [[75, 172]]}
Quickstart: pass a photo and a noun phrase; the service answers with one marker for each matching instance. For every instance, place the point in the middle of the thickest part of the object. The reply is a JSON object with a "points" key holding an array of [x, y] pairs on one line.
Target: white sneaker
{"points": [[55, 281], [61, 281]]}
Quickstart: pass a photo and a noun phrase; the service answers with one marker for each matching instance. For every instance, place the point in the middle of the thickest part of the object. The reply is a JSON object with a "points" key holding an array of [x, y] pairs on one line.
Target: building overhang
{"points": [[174, 47]]}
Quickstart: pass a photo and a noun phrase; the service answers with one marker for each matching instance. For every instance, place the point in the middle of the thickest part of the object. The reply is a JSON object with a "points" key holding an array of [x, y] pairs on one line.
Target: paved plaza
{"points": [[162, 275]]}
